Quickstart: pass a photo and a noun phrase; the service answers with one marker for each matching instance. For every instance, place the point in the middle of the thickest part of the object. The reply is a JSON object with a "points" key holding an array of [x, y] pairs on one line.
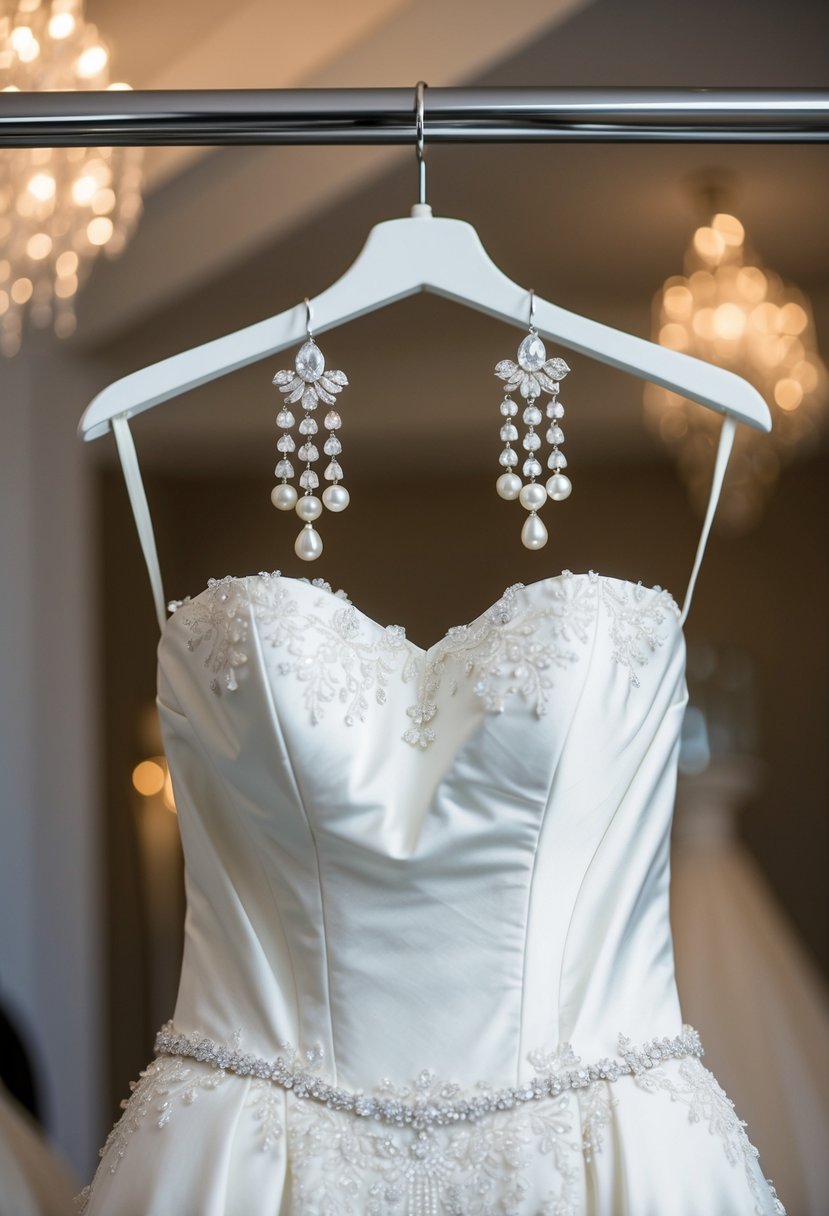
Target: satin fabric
{"points": [[453, 859]]}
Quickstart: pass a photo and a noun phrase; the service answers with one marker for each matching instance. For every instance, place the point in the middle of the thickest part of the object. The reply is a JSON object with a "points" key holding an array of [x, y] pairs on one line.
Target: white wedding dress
{"points": [[428, 964]]}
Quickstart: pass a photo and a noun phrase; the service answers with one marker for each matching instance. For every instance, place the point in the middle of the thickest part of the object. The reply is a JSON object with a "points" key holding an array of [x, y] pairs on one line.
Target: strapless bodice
{"points": [[398, 858]]}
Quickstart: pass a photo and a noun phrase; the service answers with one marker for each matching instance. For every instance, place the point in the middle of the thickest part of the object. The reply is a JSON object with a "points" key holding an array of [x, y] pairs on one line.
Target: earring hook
{"points": [[309, 313], [532, 309], [420, 140]]}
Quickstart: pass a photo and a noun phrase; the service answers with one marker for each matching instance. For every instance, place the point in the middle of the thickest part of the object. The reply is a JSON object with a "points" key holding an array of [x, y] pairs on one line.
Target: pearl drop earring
{"points": [[531, 376], [309, 383]]}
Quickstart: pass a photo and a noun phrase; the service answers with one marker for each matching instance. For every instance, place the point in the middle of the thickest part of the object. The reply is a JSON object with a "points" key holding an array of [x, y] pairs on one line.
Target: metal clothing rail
{"points": [[387, 116]]}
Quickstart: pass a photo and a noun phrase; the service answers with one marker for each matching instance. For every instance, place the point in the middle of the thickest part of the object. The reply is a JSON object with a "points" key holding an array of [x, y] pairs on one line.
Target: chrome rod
{"points": [[387, 116]]}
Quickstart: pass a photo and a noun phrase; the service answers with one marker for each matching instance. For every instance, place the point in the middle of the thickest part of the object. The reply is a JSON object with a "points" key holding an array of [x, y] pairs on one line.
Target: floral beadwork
{"points": [[505, 653], [707, 1103], [636, 614], [430, 1148], [344, 658]]}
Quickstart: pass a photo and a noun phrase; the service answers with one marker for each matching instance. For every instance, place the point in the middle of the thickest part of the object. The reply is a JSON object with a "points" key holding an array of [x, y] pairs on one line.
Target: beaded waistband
{"points": [[447, 1105]]}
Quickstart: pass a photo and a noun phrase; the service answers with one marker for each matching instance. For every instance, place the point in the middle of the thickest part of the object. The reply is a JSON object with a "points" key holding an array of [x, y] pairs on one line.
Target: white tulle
{"points": [[441, 873]]}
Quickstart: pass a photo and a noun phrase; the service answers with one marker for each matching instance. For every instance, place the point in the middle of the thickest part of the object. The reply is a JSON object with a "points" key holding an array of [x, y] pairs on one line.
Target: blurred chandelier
{"points": [[731, 311], [59, 207]]}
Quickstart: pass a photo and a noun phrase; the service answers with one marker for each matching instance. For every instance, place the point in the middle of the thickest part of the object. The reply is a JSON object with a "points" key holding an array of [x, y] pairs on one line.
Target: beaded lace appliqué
{"points": [[512, 649], [431, 1149], [636, 614], [699, 1090], [504, 653]]}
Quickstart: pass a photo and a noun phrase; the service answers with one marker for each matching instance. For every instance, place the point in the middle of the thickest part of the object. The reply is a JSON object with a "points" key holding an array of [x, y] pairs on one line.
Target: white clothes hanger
{"points": [[402, 257]]}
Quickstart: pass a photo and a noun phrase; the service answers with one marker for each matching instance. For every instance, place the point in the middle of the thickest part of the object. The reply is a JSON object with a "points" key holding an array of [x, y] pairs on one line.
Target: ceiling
{"points": [[232, 235]]}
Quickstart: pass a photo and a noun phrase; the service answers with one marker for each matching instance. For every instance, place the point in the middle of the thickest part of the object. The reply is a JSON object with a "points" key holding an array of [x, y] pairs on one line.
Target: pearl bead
{"points": [[283, 497], [308, 545], [336, 498], [533, 496], [309, 508], [534, 534], [559, 487], [508, 486]]}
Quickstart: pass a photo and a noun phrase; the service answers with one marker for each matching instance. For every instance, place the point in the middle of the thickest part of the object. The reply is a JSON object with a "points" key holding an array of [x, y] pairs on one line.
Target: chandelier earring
{"points": [[307, 385], [531, 377]]}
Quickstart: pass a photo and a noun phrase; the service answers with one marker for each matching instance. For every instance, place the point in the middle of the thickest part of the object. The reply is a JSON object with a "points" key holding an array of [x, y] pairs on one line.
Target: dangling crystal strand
{"points": [[533, 495], [559, 486], [509, 483], [335, 497], [283, 495]]}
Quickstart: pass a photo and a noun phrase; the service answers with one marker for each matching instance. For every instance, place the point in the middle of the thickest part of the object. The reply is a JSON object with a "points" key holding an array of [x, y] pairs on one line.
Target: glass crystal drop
{"points": [[508, 459], [531, 468], [531, 442], [555, 409], [309, 362], [333, 421], [285, 443], [557, 460], [532, 353], [332, 446], [285, 419], [308, 426], [308, 452], [284, 469], [508, 408], [555, 434], [509, 432], [532, 415], [308, 479], [333, 472]]}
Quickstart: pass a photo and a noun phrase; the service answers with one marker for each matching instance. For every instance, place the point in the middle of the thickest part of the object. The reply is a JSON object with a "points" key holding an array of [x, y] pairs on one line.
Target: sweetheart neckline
{"points": [[322, 585]]}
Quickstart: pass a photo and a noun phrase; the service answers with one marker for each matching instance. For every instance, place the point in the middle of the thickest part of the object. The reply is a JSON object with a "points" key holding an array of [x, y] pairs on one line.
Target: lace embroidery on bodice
{"points": [[346, 657]]}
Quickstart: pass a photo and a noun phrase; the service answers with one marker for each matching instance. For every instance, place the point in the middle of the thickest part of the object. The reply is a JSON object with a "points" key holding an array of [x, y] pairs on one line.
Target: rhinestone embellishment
{"points": [[431, 1112]]}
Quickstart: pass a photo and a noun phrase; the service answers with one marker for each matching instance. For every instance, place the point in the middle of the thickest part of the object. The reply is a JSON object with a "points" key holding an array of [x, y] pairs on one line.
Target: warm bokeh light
{"points": [[148, 777], [59, 207], [728, 310]]}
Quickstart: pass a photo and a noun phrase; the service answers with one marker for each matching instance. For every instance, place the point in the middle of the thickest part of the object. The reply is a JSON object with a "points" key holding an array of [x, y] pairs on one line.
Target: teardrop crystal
{"points": [[508, 459], [555, 434], [284, 469], [308, 479], [531, 441], [285, 443], [332, 446], [532, 468], [333, 421], [532, 353], [557, 460], [308, 452], [285, 419], [308, 426], [555, 409], [532, 415], [509, 432], [508, 408], [309, 362], [333, 472]]}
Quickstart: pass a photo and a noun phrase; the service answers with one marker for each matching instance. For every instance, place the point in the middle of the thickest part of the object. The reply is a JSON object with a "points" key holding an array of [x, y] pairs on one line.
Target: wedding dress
{"points": [[428, 967]]}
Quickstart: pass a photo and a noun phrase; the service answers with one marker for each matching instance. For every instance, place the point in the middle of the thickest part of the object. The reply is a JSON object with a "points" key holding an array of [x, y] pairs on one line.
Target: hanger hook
{"points": [[532, 309], [309, 313], [420, 139]]}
